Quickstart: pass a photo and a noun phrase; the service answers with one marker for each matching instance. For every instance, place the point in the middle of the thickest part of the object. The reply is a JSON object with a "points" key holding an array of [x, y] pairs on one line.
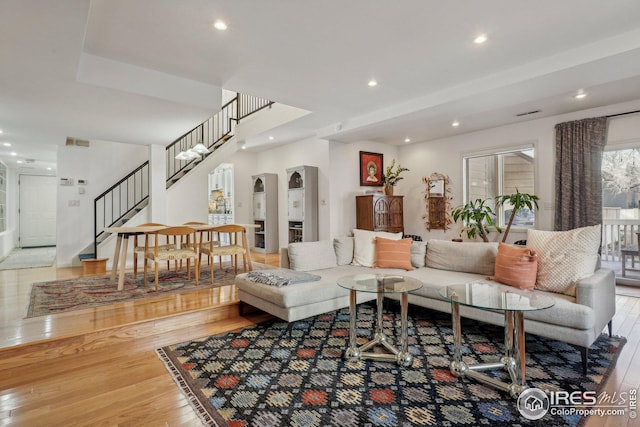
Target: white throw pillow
{"points": [[344, 250], [309, 256], [418, 254], [364, 245], [564, 257]]}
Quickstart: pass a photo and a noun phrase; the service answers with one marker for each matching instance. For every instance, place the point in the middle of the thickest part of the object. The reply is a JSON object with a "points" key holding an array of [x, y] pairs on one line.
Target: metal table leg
{"points": [[353, 352], [513, 360], [401, 357]]}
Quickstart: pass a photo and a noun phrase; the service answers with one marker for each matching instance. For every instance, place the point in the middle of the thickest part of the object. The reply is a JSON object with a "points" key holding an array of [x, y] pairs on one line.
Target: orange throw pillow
{"points": [[516, 266], [393, 253]]}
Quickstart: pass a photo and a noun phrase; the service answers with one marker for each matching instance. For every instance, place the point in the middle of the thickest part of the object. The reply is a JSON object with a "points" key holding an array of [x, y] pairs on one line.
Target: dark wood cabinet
{"points": [[377, 212]]}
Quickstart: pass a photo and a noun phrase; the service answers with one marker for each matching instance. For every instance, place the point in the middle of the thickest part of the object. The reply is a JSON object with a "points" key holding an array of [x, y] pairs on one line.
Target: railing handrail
{"points": [[122, 180], [621, 221], [616, 234], [228, 115], [184, 135]]}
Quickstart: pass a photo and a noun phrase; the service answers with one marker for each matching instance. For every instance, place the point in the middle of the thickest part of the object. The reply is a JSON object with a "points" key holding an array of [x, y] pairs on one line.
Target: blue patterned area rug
{"points": [[269, 376]]}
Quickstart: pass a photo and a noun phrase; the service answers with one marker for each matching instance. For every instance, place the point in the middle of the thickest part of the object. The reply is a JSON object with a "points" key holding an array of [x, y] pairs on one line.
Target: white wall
{"points": [[345, 181], [188, 198], [445, 156], [338, 180], [101, 165]]}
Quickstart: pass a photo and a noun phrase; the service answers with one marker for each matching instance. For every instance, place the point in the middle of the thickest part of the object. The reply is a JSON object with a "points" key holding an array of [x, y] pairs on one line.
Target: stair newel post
{"points": [[238, 97]]}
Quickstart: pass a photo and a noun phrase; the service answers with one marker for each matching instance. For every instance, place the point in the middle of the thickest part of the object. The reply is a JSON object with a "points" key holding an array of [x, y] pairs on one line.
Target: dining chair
{"points": [[181, 251], [205, 236], [231, 240], [139, 248]]}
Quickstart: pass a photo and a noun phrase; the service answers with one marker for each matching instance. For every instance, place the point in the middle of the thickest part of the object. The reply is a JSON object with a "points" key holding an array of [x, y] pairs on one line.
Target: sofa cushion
{"points": [[306, 293], [393, 253], [468, 257], [564, 257], [418, 254], [364, 249], [307, 256], [516, 266], [343, 247]]}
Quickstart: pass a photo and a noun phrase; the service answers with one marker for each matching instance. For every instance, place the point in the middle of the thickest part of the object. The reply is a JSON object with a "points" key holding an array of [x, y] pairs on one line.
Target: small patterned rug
{"points": [[92, 291], [267, 376], [20, 258]]}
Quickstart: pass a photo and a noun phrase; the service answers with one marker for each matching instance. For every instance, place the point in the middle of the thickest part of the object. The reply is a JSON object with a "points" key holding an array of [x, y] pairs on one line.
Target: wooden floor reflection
{"points": [[98, 366]]}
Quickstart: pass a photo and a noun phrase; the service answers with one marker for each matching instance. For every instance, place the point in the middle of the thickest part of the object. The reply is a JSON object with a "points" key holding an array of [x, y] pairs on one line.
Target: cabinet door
{"points": [[296, 204], [381, 214], [396, 220], [228, 182], [259, 206]]}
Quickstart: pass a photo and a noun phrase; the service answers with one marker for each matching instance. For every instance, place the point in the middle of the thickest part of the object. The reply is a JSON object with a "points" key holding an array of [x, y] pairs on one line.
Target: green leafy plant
{"points": [[477, 218], [517, 201], [391, 176]]}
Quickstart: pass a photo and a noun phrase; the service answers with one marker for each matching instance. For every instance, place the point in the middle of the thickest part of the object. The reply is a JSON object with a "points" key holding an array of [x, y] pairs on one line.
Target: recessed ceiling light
{"points": [[0, 130], [48, 169], [372, 83], [6, 144], [220, 25], [13, 153], [407, 139], [480, 38], [19, 162], [580, 95], [455, 124], [244, 146], [271, 138]]}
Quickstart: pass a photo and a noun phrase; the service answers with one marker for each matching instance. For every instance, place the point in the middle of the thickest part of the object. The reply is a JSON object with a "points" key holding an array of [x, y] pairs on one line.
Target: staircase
{"points": [[123, 200]]}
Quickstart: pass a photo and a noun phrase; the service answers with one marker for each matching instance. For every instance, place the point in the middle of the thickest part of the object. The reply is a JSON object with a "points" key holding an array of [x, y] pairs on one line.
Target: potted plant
{"points": [[391, 177], [477, 217], [517, 201]]}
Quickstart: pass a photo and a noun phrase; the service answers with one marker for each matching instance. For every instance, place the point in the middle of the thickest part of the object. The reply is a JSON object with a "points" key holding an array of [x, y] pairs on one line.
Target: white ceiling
{"points": [[146, 71]]}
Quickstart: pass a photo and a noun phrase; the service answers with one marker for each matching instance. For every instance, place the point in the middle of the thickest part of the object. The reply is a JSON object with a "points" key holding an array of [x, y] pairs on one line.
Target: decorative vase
{"points": [[388, 190]]}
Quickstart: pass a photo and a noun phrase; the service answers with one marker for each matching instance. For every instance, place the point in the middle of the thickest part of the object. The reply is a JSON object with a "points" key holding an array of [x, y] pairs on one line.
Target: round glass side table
{"points": [[513, 302]]}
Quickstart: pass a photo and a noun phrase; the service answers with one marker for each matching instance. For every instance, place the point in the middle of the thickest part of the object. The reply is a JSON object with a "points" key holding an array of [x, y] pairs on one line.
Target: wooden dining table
{"points": [[122, 244]]}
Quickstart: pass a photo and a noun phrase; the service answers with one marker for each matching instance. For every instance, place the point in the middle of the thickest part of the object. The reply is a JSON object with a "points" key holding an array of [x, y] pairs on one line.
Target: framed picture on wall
{"points": [[370, 169]]}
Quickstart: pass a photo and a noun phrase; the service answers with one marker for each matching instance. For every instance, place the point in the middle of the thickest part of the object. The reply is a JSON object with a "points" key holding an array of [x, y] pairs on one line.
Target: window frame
{"points": [[495, 151]]}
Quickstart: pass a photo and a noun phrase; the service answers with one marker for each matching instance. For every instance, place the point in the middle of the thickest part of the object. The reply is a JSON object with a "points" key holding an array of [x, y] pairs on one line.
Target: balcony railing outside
{"points": [[616, 234]]}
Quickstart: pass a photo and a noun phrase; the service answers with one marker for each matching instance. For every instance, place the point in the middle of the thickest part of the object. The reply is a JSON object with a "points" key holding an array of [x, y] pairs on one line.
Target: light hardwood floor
{"points": [[98, 367]]}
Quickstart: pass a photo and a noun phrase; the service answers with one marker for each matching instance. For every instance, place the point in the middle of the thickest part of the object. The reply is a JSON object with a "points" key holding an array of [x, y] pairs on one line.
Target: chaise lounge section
{"points": [[576, 319]]}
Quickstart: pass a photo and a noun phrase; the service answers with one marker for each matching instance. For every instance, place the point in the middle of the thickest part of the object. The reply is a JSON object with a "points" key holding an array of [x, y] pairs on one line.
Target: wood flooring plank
{"points": [[109, 375]]}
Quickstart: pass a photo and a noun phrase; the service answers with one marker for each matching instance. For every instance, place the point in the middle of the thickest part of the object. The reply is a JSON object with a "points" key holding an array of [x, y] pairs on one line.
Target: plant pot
{"points": [[388, 190]]}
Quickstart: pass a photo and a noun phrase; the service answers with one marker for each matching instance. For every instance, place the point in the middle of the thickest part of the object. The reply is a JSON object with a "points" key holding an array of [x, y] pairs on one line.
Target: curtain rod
{"points": [[622, 114]]}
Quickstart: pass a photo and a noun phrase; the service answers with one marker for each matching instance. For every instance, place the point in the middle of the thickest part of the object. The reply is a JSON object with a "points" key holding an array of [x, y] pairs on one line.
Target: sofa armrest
{"points": [[284, 258], [599, 292]]}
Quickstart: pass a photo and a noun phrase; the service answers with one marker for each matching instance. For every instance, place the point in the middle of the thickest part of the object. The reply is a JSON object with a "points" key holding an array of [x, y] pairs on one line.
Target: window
{"points": [[489, 175]]}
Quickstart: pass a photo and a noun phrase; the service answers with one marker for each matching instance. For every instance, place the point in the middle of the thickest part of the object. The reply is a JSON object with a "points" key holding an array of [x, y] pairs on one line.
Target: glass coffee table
{"points": [[380, 285], [513, 302]]}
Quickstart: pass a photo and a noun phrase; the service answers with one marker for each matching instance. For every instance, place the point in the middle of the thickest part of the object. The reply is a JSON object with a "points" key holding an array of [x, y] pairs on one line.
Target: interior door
{"points": [[37, 216]]}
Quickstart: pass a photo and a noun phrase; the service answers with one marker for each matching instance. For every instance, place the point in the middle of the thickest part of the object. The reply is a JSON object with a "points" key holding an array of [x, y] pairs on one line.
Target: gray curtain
{"points": [[579, 147]]}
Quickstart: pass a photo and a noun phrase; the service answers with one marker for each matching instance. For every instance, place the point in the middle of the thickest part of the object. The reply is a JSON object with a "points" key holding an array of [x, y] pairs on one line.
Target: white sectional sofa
{"points": [[576, 320]]}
